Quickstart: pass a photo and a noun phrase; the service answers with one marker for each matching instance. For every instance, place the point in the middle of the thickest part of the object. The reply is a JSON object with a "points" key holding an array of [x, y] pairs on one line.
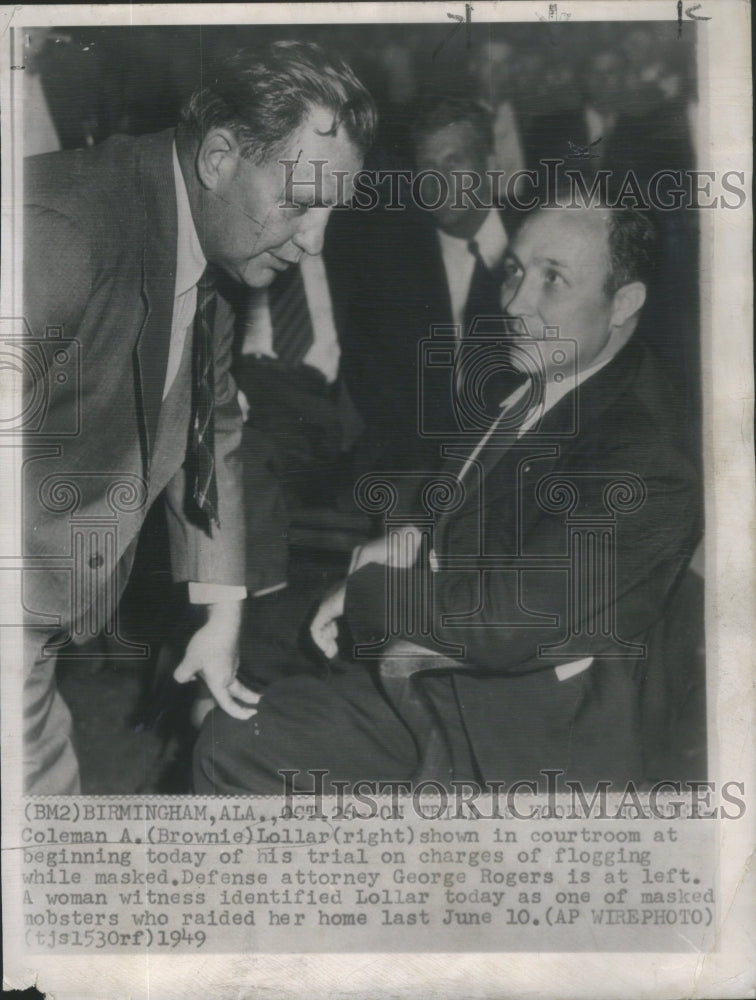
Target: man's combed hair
{"points": [[439, 111], [263, 94], [633, 248]]}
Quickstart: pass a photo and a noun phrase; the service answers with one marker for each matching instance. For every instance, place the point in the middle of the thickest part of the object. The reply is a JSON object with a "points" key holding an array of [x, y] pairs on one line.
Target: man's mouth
{"points": [[281, 264]]}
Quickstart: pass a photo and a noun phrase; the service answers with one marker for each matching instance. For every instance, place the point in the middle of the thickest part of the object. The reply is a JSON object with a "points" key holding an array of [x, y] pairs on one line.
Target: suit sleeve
{"points": [[213, 555], [653, 545]]}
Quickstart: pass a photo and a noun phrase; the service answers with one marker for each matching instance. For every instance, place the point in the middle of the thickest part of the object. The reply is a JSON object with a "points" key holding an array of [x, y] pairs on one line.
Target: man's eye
{"points": [[510, 271], [554, 278]]}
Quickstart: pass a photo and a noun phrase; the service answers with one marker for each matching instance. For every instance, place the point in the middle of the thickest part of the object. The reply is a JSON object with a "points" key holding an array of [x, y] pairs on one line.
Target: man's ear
{"points": [[217, 156], [627, 301]]}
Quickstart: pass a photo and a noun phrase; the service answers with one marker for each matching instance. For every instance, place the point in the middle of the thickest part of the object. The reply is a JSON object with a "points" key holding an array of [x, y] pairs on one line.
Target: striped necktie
{"points": [[203, 400], [290, 317]]}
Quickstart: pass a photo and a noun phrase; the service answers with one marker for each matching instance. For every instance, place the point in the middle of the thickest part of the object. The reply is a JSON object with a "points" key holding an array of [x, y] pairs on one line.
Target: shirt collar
{"points": [[491, 239], [190, 261]]}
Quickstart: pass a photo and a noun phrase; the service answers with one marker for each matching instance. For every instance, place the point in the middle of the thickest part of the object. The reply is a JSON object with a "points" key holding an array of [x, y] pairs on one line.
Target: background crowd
{"points": [[105, 80]]}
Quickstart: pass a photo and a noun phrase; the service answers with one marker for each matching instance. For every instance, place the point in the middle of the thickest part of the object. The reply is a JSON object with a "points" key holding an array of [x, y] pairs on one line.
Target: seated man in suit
{"points": [[566, 529], [409, 270]]}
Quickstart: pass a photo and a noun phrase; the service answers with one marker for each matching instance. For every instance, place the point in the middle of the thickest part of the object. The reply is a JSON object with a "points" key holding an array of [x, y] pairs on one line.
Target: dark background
{"points": [[134, 79]]}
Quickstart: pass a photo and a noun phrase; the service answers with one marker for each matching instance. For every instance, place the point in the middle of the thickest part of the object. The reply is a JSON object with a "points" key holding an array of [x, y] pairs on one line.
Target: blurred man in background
{"points": [[416, 268]]}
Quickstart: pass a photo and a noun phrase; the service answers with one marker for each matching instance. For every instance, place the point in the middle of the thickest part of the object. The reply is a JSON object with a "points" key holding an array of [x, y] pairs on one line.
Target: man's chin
{"points": [[257, 276]]}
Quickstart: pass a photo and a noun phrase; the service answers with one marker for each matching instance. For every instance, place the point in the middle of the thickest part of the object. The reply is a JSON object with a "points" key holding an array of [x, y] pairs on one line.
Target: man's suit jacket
{"points": [[100, 265], [519, 716], [389, 288]]}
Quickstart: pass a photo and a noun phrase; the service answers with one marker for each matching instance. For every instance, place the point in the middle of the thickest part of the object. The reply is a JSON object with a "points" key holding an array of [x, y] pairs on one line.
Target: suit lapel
{"points": [[559, 427], [155, 166]]}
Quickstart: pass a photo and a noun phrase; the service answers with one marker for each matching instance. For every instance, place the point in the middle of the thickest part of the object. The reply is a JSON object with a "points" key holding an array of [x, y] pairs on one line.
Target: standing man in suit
{"points": [[412, 269], [124, 243], [551, 660]]}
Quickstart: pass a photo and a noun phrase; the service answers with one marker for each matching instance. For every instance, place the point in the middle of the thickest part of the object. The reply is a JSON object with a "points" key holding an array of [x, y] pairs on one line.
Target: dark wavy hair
{"points": [[262, 94], [633, 248]]}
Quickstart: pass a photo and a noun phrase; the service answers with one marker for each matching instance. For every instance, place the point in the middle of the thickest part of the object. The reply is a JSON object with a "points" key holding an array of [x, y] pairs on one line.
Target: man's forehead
{"points": [[454, 135], [316, 140], [578, 232], [319, 133], [319, 162]]}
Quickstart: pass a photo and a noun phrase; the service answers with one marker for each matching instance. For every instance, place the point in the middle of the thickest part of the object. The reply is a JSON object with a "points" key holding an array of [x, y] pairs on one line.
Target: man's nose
{"points": [[518, 299], [310, 236]]}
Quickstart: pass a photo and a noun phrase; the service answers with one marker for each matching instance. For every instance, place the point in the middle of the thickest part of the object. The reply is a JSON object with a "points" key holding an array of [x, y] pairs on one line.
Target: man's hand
{"points": [[323, 628], [399, 552], [213, 654]]}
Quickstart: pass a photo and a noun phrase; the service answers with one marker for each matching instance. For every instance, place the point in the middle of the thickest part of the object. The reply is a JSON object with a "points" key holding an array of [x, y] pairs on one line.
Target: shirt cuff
{"points": [[215, 593], [271, 590], [566, 670]]}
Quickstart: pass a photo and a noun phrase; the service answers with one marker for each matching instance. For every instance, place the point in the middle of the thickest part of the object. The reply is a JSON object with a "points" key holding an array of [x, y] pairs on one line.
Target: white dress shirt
{"points": [[459, 263], [190, 265], [598, 125]]}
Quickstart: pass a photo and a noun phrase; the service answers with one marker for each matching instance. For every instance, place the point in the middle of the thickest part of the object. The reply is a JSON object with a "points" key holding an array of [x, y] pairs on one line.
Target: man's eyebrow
{"points": [[553, 262]]}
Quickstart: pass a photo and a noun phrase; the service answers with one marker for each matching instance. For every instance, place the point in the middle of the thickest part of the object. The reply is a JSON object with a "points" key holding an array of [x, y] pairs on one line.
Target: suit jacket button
{"points": [[96, 561]]}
